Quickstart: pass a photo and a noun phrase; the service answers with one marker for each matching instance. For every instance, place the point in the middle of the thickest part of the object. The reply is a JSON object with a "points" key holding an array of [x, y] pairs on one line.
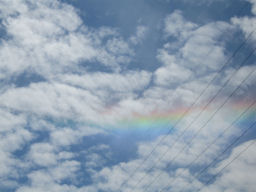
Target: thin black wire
{"points": [[222, 153], [212, 143], [187, 111], [220, 90], [191, 108], [235, 52], [235, 158]]}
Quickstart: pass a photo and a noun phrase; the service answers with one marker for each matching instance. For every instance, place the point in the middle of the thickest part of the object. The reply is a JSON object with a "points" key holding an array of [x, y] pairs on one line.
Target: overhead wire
{"points": [[228, 164], [189, 165], [194, 120], [224, 151], [187, 110]]}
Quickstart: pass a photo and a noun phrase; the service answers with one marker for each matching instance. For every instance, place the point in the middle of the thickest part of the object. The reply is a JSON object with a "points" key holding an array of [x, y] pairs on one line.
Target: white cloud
{"points": [[57, 45], [171, 75], [10, 7], [114, 82], [190, 61], [239, 175], [45, 181], [253, 2], [55, 40], [97, 156], [196, 46], [177, 26], [13, 137], [68, 136], [64, 170], [42, 154], [246, 23], [140, 34], [239, 76], [203, 49], [155, 167], [94, 160], [57, 100], [9, 121]]}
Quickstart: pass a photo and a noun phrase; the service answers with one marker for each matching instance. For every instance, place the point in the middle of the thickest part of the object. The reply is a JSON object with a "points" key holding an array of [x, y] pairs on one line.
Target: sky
{"points": [[121, 96]]}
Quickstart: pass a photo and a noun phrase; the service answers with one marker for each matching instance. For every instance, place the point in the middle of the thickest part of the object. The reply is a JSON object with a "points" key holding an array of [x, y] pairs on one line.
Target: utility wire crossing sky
{"points": [[120, 96]]}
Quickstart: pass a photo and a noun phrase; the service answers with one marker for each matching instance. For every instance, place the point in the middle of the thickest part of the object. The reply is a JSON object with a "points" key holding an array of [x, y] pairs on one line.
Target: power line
{"points": [[210, 180], [188, 110], [188, 166], [223, 152], [233, 158], [219, 91], [185, 113]]}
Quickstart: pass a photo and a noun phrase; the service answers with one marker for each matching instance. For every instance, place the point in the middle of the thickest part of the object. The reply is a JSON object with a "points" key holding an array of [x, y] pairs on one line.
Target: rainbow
{"points": [[159, 121]]}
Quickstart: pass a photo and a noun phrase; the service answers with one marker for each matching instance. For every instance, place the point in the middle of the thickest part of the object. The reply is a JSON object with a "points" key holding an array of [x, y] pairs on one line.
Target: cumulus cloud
{"points": [[238, 176], [201, 42], [247, 24], [42, 154], [54, 40], [189, 61], [49, 129], [140, 34], [173, 74], [55, 99], [177, 26]]}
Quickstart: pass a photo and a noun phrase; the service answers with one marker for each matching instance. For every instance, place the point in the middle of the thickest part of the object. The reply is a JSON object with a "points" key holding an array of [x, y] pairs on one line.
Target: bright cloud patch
{"points": [[135, 96]]}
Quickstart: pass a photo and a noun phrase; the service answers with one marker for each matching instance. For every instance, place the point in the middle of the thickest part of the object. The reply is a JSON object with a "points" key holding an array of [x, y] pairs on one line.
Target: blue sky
{"points": [[89, 91]]}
